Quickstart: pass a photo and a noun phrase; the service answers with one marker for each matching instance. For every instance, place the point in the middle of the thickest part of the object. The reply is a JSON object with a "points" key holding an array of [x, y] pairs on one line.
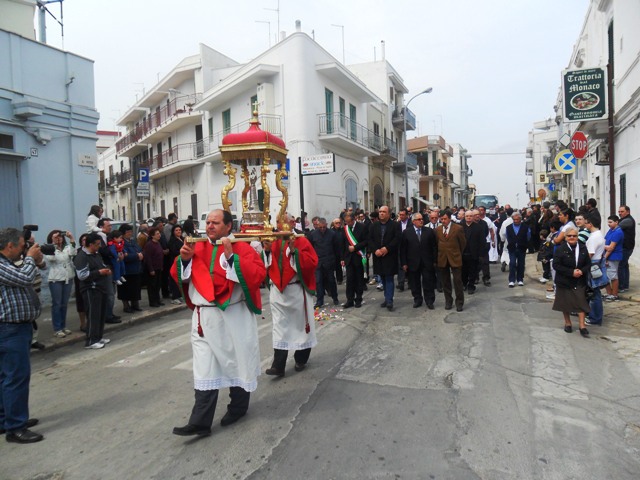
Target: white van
{"points": [[202, 228]]}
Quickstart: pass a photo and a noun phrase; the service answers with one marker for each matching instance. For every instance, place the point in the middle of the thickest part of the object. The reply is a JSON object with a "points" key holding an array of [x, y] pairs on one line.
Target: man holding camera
{"points": [[19, 307]]}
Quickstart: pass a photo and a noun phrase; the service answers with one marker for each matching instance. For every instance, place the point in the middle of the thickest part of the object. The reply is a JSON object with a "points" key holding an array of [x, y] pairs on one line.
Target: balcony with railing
{"points": [[411, 160], [404, 119], [173, 115], [341, 132]]}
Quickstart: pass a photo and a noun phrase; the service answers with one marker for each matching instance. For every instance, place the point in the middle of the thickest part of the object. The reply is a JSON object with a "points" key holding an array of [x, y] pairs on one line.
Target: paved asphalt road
{"points": [[498, 391]]}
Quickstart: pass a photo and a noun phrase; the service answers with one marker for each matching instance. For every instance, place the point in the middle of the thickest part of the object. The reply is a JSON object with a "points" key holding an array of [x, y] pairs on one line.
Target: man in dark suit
{"points": [[354, 243], [474, 249], [451, 244], [403, 222], [383, 242], [418, 254]]}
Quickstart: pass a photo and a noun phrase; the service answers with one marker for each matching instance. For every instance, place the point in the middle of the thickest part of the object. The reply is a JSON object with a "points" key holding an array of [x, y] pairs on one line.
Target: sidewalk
{"points": [[624, 312], [45, 327]]}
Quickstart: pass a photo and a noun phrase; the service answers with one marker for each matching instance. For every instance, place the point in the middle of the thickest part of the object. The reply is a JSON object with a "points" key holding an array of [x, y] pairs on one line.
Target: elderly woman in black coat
{"points": [[571, 262]]}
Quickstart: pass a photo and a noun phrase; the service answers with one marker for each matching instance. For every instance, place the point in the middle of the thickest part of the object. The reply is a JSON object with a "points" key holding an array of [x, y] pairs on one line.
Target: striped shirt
{"points": [[19, 302]]}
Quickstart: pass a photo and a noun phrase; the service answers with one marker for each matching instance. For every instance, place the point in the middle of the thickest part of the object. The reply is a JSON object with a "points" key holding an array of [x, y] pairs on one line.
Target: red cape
{"points": [[247, 264], [306, 263]]}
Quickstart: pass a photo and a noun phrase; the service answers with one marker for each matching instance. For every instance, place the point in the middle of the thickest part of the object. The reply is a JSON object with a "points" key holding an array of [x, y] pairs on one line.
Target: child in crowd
{"points": [[116, 248]]}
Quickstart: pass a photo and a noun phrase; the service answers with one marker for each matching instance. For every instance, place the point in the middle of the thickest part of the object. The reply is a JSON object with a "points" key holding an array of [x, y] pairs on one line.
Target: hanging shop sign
{"points": [[585, 94]]}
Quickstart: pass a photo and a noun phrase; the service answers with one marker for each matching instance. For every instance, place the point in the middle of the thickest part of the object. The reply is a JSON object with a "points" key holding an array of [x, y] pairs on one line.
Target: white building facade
{"points": [[303, 95]]}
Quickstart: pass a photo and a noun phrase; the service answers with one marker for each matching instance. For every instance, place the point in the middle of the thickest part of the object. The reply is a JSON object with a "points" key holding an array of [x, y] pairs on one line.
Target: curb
{"points": [[127, 322]]}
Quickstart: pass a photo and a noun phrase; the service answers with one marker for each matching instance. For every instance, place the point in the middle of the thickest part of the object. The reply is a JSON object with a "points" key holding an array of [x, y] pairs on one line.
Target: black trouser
{"points": [[95, 304], [484, 263], [338, 270], [153, 287], [401, 275], [355, 280], [280, 358], [205, 405], [167, 262], [421, 283], [325, 280], [469, 271]]}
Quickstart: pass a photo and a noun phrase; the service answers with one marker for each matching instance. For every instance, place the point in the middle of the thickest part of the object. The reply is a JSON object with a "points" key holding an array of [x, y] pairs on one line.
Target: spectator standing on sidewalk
{"points": [[628, 226], [613, 241], [96, 286], [95, 214], [129, 291], [595, 248], [19, 308], [61, 274], [175, 243], [153, 259], [105, 252]]}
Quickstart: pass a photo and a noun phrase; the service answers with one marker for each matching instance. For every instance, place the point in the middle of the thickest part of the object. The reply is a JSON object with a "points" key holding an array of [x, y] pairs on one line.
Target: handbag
{"points": [[598, 274], [589, 293]]}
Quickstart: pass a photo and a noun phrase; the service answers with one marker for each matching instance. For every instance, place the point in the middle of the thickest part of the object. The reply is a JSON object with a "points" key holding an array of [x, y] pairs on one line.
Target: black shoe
{"points": [[440, 290], [114, 320], [230, 418], [568, 328], [487, 283], [357, 304], [430, 306], [401, 288], [383, 304], [273, 371], [365, 287], [32, 422], [189, 430], [459, 309], [38, 346], [115, 317], [448, 306], [336, 301], [390, 307], [417, 304], [24, 436], [584, 332], [471, 290], [318, 305], [161, 304], [348, 304], [127, 310], [154, 305], [300, 367], [136, 307]]}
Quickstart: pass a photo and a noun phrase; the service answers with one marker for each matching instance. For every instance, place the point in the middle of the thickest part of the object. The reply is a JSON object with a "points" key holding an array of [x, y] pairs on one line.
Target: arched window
{"points": [[351, 189], [378, 198]]}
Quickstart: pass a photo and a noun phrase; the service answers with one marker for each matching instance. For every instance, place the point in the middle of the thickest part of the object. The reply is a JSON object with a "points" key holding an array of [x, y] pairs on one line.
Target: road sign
{"points": [[565, 140], [579, 144], [552, 187], [565, 162], [144, 176]]}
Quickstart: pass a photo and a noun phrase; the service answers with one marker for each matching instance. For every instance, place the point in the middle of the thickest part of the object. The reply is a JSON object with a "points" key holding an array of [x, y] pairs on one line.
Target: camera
{"points": [[46, 249]]}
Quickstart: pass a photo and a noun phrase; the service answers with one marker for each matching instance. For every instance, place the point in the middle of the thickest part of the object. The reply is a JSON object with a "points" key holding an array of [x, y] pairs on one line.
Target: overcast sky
{"points": [[494, 65]]}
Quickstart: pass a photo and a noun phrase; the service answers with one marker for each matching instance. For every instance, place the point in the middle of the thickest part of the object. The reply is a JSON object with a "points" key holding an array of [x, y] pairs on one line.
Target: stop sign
{"points": [[578, 144]]}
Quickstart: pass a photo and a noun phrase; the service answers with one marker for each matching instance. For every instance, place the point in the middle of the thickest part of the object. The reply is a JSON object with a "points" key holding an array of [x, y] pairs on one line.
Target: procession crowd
{"points": [[447, 251]]}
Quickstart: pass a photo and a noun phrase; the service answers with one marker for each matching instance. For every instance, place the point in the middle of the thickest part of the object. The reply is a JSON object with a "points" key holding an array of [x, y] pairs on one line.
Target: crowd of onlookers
{"points": [[395, 260]]}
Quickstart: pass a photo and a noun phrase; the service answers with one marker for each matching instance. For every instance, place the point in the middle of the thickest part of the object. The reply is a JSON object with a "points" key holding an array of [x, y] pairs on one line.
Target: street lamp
{"points": [[404, 151]]}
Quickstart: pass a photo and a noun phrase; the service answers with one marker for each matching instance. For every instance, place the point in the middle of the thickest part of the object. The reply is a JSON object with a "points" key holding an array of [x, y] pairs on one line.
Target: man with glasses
{"points": [[628, 226], [418, 255]]}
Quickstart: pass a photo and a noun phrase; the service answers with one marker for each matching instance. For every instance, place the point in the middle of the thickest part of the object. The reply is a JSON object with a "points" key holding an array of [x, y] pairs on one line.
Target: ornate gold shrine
{"points": [[253, 152]]}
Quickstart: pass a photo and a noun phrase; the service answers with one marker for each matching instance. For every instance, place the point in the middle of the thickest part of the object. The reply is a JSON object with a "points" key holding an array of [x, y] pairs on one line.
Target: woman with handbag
{"points": [[571, 263]]}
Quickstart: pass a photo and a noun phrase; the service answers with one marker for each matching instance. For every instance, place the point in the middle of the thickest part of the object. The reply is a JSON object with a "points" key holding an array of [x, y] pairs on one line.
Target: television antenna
{"points": [[42, 11]]}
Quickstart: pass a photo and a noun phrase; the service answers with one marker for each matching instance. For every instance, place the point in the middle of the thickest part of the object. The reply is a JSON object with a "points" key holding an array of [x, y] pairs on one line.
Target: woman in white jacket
{"points": [[95, 214], [61, 273]]}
